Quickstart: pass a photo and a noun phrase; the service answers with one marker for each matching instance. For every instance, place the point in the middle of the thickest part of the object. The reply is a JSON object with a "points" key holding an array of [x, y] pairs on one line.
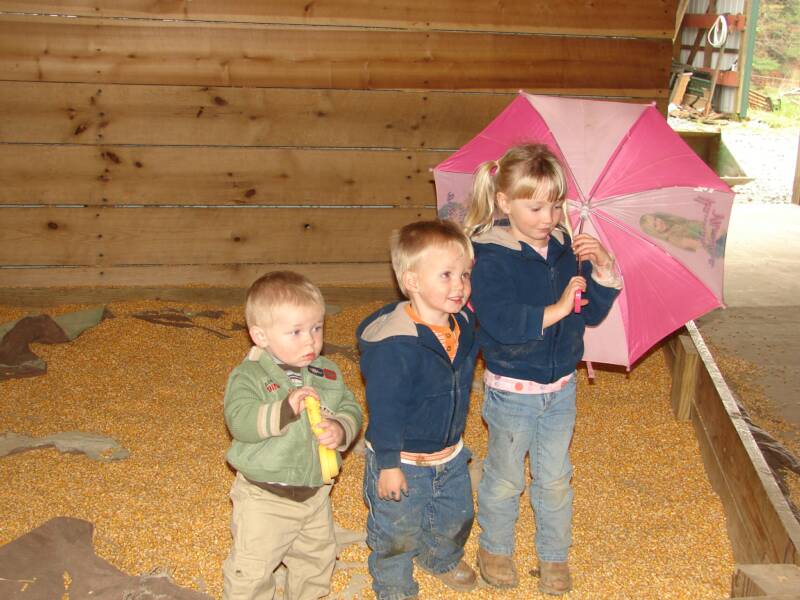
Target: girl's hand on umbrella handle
{"points": [[568, 301], [553, 313], [587, 247]]}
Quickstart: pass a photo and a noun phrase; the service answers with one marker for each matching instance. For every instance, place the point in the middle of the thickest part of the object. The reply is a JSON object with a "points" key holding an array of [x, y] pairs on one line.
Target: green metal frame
{"points": [[752, 20]]}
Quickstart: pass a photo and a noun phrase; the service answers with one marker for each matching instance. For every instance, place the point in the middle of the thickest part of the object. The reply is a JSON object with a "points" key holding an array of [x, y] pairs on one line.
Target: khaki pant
{"points": [[269, 530]]}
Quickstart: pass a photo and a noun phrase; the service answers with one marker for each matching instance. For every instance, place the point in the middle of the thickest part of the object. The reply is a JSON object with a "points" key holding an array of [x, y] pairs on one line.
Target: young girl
{"points": [[524, 283]]}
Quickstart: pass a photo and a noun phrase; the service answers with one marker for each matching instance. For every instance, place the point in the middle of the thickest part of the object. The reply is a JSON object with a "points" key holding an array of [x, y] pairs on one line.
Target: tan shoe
{"points": [[497, 570], [554, 578], [460, 578]]}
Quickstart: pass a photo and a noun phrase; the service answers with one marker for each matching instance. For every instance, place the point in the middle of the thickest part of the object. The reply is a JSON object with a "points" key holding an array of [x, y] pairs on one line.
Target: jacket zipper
{"points": [[453, 393], [557, 326]]}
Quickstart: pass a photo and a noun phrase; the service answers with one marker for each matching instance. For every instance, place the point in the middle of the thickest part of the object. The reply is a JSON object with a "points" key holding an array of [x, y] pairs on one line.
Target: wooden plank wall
{"points": [[174, 142]]}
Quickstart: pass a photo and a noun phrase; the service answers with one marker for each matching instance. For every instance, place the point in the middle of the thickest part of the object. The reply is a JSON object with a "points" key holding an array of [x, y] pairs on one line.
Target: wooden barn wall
{"points": [[195, 141]]}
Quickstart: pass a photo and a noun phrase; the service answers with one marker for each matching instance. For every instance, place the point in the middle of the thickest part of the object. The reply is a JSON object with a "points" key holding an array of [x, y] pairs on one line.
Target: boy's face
{"points": [[439, 284], [293, 334]]}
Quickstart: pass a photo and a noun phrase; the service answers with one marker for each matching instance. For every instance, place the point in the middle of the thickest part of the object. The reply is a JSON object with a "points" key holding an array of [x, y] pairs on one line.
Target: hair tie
{"points": [[493, 169]]}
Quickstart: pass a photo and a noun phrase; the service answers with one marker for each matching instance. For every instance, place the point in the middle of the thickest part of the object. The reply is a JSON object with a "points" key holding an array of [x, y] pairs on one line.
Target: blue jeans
{"points": [[542, 425], [431, 524]]}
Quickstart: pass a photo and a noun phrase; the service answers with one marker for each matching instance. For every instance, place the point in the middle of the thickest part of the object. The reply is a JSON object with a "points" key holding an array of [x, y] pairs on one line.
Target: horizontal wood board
{"points": [[339, 296], [644, 18], [147, 175], [187, 115], [240, 274], [147, 236], [155, 52]]}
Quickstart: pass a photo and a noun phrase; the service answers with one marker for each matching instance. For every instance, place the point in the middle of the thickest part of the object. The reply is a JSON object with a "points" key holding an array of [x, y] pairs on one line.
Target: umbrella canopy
{"points": [[634, 184]]}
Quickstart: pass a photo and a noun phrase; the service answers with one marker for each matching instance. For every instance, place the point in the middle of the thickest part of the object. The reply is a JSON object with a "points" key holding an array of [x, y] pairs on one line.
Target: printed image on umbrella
{"points": [[634, 184]]}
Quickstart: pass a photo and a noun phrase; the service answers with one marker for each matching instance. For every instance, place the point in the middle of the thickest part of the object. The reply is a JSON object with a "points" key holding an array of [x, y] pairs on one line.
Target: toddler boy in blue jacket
{"points": [[418, 358]]}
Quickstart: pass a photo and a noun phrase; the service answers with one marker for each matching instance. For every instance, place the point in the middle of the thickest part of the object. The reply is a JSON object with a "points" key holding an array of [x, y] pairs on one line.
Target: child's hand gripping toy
{"points": [[327, 457]]}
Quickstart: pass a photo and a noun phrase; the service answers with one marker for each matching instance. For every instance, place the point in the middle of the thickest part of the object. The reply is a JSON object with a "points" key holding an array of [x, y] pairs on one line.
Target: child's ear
{"points": [[410, 281], [502, 202], [259, 336]]}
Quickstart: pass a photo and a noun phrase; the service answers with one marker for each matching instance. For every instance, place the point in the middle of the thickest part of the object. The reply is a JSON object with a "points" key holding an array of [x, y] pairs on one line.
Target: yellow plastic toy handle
{"points": [[327, 457]]}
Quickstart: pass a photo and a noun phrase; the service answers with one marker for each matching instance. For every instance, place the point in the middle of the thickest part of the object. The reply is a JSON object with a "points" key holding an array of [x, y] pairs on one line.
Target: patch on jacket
{"points": [[272, 386], [326, 373]]}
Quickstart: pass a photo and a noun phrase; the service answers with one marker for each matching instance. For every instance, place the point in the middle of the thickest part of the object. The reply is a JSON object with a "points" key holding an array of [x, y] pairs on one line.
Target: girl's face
{"points": [[531, 219], [655, 223]]}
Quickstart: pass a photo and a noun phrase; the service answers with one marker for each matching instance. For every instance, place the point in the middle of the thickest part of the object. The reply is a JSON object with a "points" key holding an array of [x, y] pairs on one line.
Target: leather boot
{"points": [[460, 578], [497, 570], [554, 578]]}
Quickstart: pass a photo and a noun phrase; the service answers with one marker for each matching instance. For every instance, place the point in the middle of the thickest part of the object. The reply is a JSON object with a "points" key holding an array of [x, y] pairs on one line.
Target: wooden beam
{"points": [[230, 294], [706, 21], [131, 51], [645, 18], [76, 113], [724, 78], [106, 237], [712, 7], [242, 275], [685, 370], [796, 185], [765, 580], [147, 175]]}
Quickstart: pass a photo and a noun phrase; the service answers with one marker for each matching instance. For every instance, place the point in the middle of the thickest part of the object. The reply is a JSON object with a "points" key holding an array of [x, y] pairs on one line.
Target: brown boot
{"points": [[554, 578], [497, 570], [460, 578]]}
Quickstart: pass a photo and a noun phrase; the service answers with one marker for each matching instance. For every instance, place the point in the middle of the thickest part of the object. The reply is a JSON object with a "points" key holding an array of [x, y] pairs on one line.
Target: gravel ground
{"points": [[767, 154]]}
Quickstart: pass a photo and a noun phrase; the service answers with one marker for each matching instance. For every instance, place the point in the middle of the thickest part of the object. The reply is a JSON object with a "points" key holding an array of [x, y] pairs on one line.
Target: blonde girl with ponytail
{"points": [[523, 291]]}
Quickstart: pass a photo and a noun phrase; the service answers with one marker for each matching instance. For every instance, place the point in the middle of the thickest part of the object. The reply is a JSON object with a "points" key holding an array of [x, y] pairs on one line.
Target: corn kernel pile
{"points": [[647, 523]]}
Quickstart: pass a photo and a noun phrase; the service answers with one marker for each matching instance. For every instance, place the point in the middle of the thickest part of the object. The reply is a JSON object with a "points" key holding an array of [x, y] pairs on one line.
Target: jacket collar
{"points": [[396, 322], [501, 236]]}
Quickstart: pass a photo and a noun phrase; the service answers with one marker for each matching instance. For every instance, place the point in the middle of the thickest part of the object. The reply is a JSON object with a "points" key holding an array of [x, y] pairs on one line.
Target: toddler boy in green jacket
{"points": [[281, 505]]}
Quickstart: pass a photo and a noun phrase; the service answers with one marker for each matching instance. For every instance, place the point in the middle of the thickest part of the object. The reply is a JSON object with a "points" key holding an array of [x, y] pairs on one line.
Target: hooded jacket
{"points": [[263, 451], [417, 398], [511, 286]]}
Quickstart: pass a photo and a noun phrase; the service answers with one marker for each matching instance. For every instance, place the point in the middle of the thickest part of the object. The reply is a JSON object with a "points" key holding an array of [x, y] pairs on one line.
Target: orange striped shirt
{"points": [[447, 337]]}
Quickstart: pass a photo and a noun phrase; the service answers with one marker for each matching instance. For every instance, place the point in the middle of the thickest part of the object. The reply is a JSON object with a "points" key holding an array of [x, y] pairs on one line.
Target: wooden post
{"points": [[796, 188], [684, 376], [772, 580]]}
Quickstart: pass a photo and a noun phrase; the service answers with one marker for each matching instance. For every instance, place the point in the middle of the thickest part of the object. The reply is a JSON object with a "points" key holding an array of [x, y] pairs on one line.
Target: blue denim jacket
{"points": [[417, 398], [511, 286]]}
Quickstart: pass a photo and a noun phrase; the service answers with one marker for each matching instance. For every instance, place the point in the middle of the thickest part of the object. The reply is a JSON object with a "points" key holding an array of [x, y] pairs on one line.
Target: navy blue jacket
{"points": [[417, 398], [511, 286]]}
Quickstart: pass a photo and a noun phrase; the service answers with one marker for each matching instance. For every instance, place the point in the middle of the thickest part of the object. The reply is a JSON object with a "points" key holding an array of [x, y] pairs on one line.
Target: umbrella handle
{"points": [[578, 295]]}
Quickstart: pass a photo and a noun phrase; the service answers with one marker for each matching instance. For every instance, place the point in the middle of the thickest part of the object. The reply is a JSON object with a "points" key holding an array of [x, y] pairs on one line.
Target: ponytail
{"points": [[480, 215]]}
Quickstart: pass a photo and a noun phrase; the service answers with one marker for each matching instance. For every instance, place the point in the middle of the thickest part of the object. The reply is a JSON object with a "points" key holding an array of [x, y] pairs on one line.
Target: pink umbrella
{"points": [[634, 184]]}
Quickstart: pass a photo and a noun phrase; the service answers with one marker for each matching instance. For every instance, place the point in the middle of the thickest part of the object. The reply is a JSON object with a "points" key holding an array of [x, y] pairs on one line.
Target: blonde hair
{"points": [[410, 244], [525, 171], [278, 288]]}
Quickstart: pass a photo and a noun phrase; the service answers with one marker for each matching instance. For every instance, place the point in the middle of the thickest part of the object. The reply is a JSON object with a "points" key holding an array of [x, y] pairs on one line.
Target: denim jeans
{"points": [[541, 425], [430, 525]]}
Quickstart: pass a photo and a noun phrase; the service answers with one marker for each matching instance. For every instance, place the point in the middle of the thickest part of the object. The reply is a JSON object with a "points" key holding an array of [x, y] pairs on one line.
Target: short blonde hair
{"points": [[410, 243], [278, 288]]}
